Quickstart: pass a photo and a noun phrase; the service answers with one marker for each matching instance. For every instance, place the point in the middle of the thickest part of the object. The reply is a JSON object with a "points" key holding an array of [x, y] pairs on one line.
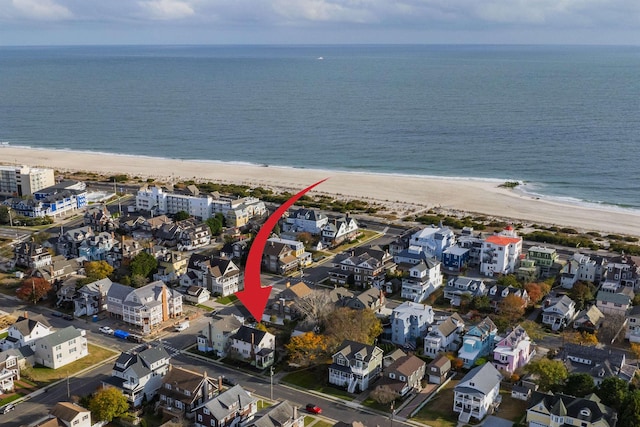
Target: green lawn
{"points": [[204, 307], [439, 411], [308, 420], [4, 335], [322, 424], [227, 300], [42, 375], [316, 379], [370, 403], [9, 399]]}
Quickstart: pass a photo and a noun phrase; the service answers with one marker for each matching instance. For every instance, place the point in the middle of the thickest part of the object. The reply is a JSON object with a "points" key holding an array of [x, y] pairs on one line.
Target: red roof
{"points": [[502, 240]]}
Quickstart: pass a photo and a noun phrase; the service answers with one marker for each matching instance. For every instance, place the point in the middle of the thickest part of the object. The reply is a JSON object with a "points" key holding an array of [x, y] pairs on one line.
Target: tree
{"points": [[534, 291], [108, 403], [508, 280], [582, 293], [534, 330], [315, 306], [306, 238], [630, 411], [511, 308], [383, 395], [635, 349], [33, 289], [612, 391], [355, 325], [143, 264], [481, 303], [579, 385], [138, 280], [215, 225], [4, 215], [261, 327], [96, 270], [307, 349], [182, 215], [551, 373]]}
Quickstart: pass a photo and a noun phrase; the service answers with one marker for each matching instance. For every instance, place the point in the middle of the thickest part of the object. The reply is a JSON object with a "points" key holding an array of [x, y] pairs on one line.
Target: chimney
{"points": [[205, 385], [26, 314], [295, 412], [165, 304], [220, 384]]}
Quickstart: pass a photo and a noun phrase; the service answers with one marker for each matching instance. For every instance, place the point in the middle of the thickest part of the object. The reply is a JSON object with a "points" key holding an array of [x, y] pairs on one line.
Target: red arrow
{"points": [[254, 296]]}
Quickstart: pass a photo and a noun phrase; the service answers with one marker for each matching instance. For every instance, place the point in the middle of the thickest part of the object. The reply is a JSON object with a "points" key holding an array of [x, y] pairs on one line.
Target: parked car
{"points": [[182, 326], [135, 338], [56, 314], [68, 317], [106, 330], [313, 409], [8, 408]]}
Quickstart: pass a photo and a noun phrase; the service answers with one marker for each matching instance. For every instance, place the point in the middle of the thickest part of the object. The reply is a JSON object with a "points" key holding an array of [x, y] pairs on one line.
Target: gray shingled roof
{"points": [[62, 336], [275, 416], [484, 378], [229, 401]]}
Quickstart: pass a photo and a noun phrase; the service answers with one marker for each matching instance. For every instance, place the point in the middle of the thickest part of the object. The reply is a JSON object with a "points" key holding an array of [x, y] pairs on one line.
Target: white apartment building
{"points": [[23, 180], [500, 253]]}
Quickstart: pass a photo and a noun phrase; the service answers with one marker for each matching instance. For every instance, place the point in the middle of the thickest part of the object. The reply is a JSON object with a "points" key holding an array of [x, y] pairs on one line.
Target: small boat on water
{"points": [[320, 58]]}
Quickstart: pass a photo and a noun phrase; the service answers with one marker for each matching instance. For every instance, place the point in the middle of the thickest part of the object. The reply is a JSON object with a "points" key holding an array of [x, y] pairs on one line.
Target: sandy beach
{"points": [[404, 194]]}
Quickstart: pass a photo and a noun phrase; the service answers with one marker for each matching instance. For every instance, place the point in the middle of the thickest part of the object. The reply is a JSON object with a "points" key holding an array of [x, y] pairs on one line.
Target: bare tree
{"points": [[315, 306], [383, 395]]}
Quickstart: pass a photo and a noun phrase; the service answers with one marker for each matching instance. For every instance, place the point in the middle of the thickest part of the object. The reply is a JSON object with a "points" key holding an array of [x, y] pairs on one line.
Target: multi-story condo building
{"points": [[146, 307], [500, 253], [21, 181]]}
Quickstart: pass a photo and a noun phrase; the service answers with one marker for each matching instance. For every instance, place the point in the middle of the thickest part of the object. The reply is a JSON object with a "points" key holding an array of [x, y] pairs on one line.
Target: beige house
{"points": [[549, 410]]}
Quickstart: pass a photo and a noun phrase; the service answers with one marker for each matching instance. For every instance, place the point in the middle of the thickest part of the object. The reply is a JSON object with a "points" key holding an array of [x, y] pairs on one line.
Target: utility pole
{"points": [[271, 382], [393, 411], [68, 388]]}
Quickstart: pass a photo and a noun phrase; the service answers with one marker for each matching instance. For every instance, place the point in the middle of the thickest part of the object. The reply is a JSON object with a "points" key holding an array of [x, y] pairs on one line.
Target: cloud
{"points": [[41, 10], [167, 9]]}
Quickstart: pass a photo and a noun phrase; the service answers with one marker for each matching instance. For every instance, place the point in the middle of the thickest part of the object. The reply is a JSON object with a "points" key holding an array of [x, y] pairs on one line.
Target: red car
{"points": [[314, 409]]}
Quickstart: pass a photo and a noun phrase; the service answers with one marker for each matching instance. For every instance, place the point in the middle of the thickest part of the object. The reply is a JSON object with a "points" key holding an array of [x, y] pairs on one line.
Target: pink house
{"points": [[513, 352]]}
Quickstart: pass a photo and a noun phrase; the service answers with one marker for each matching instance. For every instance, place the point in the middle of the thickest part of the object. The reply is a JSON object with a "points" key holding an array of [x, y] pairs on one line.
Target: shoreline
{"points": [[407, 193]]}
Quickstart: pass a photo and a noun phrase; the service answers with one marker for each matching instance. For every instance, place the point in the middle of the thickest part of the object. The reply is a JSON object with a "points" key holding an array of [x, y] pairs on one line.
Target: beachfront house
{"points": [[455, 258], [500, 253], [434, 240], [546, 259], [582, 268], [478, 393], [338, 231], [305, 221]]}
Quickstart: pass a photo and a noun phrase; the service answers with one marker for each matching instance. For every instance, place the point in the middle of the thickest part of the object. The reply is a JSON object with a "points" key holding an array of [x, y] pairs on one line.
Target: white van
{"points": [[182, 326]]}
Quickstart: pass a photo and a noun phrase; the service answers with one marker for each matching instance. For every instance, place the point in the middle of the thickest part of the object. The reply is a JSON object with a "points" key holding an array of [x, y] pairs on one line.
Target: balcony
{"points": [[129, 385]]}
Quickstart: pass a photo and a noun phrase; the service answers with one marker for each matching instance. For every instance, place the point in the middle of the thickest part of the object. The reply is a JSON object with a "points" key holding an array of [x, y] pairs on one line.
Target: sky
{"points": [[109, 22]]}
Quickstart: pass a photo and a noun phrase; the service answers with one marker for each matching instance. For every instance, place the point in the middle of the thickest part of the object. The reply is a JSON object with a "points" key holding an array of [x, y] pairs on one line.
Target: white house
{"points": [[433, 240], [146, 307], [633, 325], [424, 279], [71, 415], [409, 321], [216, 336], [61, 347], [305, 220], [253, 345], [579, 268], [445, 336], [25, 331], [500, 253], [558, 312], [478, 393], [458, 286], [339, 231], [139, 375], [92, 298], [355, 365]]}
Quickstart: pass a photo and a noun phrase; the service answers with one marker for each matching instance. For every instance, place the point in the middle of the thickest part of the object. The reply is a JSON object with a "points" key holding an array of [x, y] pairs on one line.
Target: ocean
{"points": [[564, 120]]}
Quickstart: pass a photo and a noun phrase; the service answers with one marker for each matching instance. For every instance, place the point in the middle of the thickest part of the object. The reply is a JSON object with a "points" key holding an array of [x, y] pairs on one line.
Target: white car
{"points": [[106, 330]]}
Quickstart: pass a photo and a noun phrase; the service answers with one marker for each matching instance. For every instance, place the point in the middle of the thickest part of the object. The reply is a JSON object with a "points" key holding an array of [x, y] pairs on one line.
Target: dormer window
{"points": [[585, 412]]}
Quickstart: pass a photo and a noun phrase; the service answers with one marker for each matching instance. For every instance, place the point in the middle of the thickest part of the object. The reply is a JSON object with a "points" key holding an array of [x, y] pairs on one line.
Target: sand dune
{"points": [[403, 193]]}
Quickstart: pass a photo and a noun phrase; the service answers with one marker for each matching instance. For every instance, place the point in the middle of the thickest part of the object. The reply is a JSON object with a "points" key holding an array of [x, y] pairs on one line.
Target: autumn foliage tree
{"points": [[511, 307], [534, 291], [97, 270], [551, 373], [33, 289], [307, 349], [356, 325]]}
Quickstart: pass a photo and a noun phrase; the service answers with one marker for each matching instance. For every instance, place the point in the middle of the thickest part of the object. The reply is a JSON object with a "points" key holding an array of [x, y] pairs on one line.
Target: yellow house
{"points": [[559, 410]]}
